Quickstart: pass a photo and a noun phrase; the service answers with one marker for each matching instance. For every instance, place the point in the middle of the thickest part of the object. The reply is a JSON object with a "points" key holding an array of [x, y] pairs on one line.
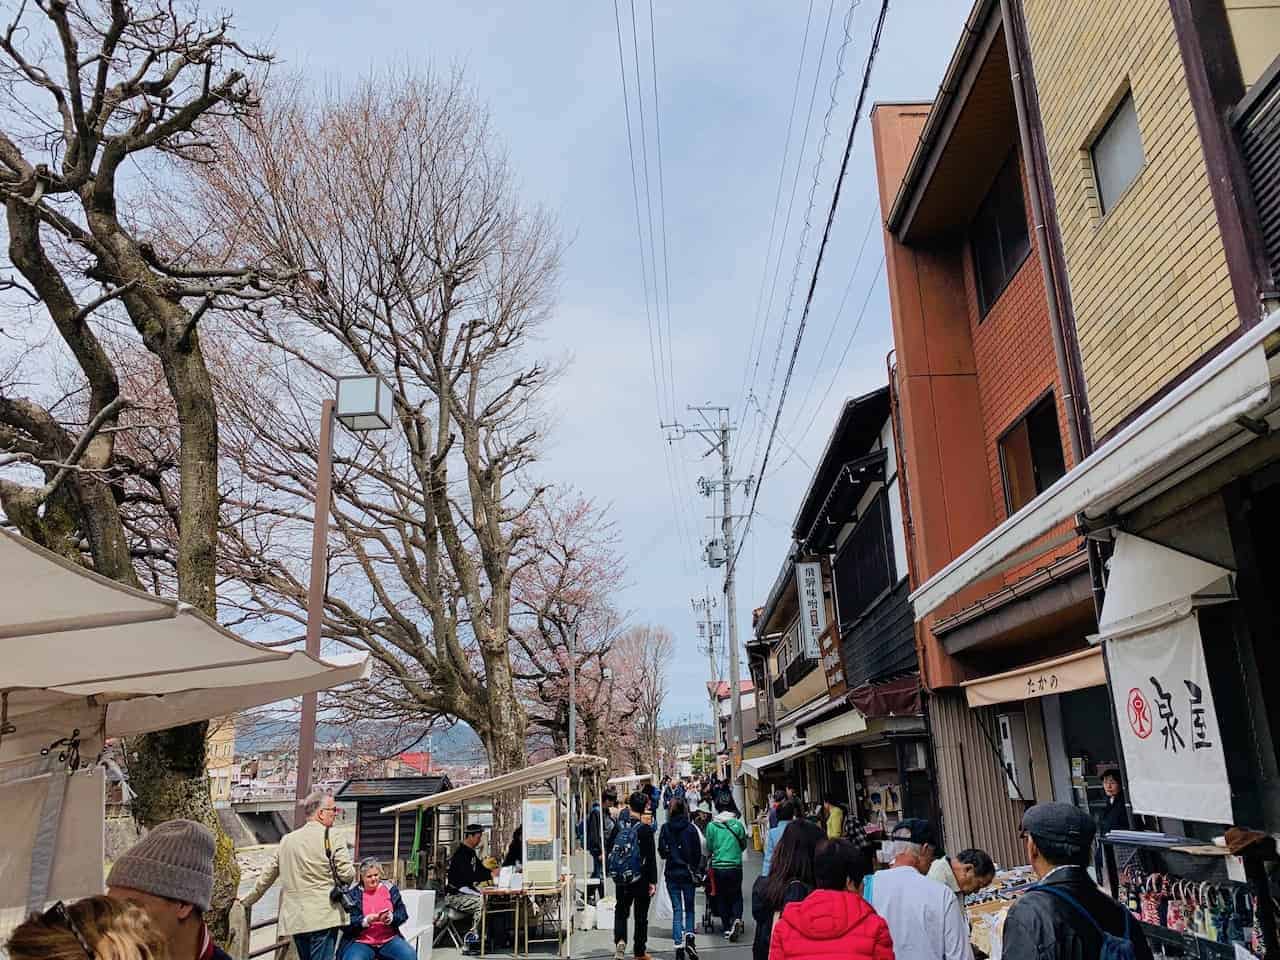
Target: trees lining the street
{"points": [[96, 98]]}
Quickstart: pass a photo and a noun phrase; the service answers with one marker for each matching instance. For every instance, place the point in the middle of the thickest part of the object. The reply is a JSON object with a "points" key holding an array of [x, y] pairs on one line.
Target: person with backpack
{"points": [[633, 867], [1065, 915], [681, 847], [726, 839]]}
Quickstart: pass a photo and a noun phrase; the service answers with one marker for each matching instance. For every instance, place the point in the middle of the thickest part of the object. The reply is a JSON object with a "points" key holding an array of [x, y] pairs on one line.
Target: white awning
{"points": [[1194, 425], [68, 635], [1152, 584], [539, 772], [845, 724], [1075, 671], [753, 768]]}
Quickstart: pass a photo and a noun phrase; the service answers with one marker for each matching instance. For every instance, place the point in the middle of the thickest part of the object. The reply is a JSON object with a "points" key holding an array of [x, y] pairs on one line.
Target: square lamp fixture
{"points": [[364, 403]]}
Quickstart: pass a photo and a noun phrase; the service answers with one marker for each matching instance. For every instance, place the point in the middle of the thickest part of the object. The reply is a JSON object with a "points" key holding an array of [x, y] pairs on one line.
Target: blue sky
{"points": [[726, 75]]}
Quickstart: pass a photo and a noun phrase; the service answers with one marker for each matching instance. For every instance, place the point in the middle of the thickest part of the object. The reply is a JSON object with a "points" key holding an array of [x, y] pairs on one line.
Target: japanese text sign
{"points": [[813, 608], [1173, 748]]}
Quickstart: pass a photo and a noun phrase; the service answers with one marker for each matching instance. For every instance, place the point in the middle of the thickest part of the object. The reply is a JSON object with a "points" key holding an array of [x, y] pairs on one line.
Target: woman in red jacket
{"points": [[834, 920]]}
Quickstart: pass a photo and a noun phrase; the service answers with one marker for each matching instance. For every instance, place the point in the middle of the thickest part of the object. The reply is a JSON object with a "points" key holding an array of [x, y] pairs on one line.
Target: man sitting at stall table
{"points": [[466, 874]]}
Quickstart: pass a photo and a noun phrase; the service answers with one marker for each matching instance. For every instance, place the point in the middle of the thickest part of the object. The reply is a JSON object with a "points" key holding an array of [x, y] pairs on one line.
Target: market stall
{"points": [[87, 659], [548, 833]]}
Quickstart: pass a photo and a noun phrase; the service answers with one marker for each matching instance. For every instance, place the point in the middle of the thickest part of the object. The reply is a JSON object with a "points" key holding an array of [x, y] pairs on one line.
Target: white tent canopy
{"points": [[546, 770], [632, 778], [86, 658]]}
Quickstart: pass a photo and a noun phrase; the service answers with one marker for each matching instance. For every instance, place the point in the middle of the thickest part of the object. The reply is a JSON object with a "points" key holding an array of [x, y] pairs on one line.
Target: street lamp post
{"points": [[364, 404]]}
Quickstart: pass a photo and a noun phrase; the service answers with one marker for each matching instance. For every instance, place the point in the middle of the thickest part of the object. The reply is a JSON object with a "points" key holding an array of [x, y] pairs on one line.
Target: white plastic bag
{"points": [[662, 912]]}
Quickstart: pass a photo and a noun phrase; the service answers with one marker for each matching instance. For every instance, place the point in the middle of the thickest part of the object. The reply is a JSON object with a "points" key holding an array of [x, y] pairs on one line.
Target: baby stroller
{"points": [[700, 819]]}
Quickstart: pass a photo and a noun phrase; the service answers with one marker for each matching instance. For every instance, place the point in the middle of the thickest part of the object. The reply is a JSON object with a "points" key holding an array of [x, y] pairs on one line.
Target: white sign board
{"points": [[1173, 748], [813, 609]]}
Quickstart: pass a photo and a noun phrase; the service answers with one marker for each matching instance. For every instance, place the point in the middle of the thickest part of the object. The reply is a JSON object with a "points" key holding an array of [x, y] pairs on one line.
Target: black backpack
{"points": [[624, 856]]}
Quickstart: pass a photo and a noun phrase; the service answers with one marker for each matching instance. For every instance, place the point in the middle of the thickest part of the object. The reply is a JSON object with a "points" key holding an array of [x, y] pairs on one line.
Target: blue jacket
{"points": [[355, 921]]}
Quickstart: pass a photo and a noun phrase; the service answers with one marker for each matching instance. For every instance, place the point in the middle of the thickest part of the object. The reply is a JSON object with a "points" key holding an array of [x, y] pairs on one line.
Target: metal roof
{"points": [[386, 788]]}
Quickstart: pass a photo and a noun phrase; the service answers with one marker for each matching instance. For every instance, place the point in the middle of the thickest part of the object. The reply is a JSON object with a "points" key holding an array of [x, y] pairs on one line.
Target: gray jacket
{"points": [[1043, 926]]}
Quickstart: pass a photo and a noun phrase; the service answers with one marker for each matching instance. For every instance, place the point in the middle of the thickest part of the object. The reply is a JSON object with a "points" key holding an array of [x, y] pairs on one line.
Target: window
{"points": [[864, 566], [1031, 455], [1117, 154], [999, 235]]}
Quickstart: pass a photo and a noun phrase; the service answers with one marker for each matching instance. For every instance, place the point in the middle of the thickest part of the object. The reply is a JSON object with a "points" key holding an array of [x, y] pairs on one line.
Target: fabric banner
{"points": [[1173, 748]]}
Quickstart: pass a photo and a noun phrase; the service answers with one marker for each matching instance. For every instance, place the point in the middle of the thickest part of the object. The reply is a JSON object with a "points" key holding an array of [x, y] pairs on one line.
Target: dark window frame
{"points": [[1047, 396], [885, 515], [990, 206], [1126, 96]]}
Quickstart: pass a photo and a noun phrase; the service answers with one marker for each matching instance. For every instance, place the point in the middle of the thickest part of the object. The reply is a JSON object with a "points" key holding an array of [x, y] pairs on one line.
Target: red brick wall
{"points": [[1013, 350]]}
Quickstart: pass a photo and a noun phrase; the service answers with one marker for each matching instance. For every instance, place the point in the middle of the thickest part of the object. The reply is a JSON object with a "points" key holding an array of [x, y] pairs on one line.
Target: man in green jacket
{"points": [[726, 839]]}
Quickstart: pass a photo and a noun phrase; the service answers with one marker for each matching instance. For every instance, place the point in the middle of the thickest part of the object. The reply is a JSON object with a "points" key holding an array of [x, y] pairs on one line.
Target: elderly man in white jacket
{"points": [[306, 862]]}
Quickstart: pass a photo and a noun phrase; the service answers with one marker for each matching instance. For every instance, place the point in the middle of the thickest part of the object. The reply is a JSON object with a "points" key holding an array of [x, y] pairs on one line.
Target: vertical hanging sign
{"points": [[1173, 748], [813, 609]]}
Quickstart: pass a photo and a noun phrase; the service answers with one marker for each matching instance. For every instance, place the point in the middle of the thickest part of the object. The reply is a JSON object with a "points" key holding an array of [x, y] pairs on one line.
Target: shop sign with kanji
{"points": [[1173, 748]]}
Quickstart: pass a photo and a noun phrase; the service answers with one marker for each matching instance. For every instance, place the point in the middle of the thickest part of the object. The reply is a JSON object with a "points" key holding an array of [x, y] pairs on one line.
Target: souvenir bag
{"points": [[1195, 910], [1177, 906], [1240, 924], [1129, 884], [1149, 901], [1223, 913]]}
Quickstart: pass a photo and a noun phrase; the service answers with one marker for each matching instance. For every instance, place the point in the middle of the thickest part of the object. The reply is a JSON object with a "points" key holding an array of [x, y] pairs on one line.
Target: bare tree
{"points": [[395, 211], [647, 651], [95, 95]]}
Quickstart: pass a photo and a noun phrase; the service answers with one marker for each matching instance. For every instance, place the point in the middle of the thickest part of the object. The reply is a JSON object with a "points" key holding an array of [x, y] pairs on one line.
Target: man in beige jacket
{"points": [[302, 864]]}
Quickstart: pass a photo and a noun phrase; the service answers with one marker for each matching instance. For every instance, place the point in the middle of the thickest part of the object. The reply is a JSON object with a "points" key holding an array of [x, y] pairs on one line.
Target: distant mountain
{"points": [[689, 732], [456, 743]]}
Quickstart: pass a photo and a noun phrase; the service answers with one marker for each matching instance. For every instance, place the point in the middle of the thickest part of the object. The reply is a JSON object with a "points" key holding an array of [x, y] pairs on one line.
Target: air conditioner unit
{"points": [[1015, 753]]}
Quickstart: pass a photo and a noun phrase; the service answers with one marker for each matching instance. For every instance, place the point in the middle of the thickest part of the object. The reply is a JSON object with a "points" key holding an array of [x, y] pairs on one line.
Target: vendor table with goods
{"points": [[986, 909]]}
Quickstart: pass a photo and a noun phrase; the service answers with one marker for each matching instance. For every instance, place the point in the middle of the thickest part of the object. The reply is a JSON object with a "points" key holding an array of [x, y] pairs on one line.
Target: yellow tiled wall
{"points": [[1149, 281]]}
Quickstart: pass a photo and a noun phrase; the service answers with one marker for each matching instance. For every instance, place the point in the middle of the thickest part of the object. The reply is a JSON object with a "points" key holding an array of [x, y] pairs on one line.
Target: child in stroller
{"points": [[700, 818]]}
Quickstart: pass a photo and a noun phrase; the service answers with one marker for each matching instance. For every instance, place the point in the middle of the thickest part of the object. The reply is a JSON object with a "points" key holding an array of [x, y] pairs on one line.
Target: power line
{"points": [[635, 193], [817, 265], [648, 203], [777, 203], [786, 229], [835, 322], [840, 365], [662, 210]]}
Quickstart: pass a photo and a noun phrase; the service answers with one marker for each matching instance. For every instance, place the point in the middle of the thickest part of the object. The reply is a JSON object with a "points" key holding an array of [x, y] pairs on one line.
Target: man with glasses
{"points": [[309, 863], [169, 874]]}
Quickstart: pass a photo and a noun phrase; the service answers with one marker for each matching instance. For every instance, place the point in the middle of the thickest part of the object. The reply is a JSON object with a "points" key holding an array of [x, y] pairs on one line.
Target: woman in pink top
{"points": [[373, 928]]}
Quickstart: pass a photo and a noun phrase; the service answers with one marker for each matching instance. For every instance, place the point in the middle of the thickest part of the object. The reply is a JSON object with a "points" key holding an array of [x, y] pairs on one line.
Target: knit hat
{"points": [[174, 860]]}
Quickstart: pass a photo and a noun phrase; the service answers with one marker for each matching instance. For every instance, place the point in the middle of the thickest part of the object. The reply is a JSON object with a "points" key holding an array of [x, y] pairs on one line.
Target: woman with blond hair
{"points": [[95, 928]]}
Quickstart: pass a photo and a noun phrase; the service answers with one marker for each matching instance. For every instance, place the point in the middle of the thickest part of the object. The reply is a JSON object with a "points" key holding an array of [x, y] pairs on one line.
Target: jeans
{"points": [[632, 899], [397, 948], [728, 903], [682, 920], [317, 944]]}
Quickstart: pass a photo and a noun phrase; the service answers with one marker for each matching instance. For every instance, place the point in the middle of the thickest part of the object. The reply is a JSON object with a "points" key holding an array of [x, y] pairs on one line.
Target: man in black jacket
{"points": [[635, 895], [1066, 919], [466, 873]]}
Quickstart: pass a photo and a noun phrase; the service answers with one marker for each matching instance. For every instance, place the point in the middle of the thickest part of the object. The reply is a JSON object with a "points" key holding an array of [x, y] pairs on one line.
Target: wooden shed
{"points": [[375, 831]]}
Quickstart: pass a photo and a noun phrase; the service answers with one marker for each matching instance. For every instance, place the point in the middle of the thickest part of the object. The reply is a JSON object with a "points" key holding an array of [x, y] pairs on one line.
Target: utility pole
{"points": [[573, 687], [709, 633], [717, 431]]}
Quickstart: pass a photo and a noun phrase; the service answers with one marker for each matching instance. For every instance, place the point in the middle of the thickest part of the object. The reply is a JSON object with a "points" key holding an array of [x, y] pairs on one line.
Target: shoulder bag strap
{"points": [[328, 853], [1063, 895]]}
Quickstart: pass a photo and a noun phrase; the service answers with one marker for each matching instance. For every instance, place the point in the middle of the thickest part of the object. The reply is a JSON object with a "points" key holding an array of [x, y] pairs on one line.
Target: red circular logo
{"points": [[1139, 714]]}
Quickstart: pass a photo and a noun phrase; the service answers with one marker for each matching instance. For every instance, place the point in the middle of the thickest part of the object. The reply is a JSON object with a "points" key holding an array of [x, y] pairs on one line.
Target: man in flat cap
{"points": [[1065, 915], [466, 873], [169, 874]]}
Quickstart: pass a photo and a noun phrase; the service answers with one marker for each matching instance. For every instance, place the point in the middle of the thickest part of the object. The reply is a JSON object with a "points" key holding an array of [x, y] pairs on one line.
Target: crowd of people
{"points": [[824, 891]]}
